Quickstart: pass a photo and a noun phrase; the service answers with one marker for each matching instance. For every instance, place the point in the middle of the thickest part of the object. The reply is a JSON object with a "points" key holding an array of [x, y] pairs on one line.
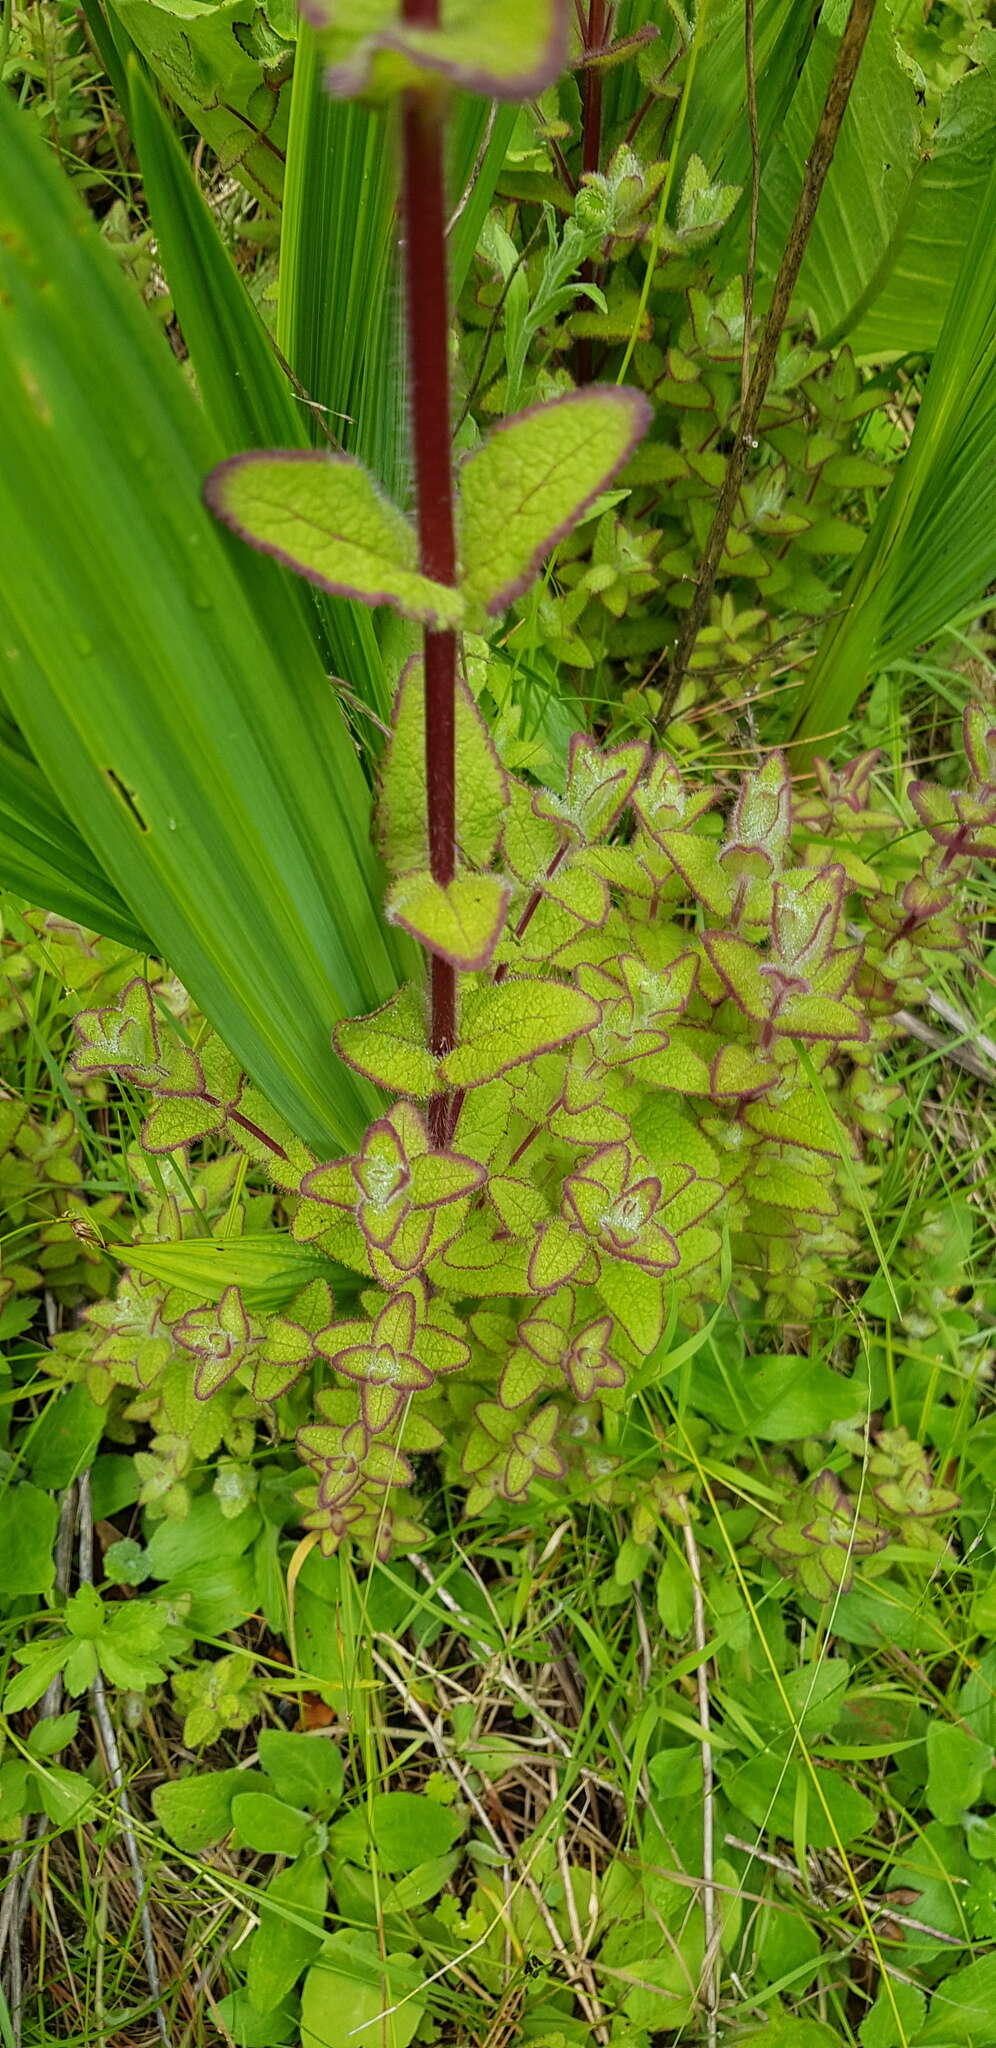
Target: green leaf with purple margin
{"points": [[514, 1021], [323, 516], [461, 920], [533, 478], [505, 49]]}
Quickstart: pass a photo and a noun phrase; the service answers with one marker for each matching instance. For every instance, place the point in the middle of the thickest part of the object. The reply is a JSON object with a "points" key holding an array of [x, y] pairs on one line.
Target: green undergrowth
{"points": [[535, 1586], [463, 1786]]}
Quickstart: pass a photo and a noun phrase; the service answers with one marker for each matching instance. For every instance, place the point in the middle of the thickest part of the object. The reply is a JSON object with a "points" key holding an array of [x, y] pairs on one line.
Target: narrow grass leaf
{"points": [[164, 678]]}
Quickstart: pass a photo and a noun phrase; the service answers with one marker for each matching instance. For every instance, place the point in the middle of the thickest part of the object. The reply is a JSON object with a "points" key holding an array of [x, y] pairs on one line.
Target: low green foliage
{"points": [[496, 1441]]}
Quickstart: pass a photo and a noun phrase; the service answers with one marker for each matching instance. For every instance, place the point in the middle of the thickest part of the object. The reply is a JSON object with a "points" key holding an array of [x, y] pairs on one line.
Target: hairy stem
{"points": [[818, 162], [428, 347]]}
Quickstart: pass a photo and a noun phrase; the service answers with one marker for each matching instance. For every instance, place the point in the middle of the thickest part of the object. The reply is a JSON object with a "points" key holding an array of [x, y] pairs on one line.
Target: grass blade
{"points": [[339, 302], [931, 553], [164, 678], [246, 392], [43, 857]]}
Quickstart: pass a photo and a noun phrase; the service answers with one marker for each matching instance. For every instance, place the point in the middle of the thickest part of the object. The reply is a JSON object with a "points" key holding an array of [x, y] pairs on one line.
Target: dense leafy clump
{"points": [[660, 1079]]}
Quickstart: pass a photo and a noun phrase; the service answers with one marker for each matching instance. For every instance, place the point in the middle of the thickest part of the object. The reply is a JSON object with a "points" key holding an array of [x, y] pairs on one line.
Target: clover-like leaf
{"points": [[589, 1364], [323, 516], [533, 478], [289, 1344], [761, 821], [635, 1297], [664, 802], [461, 920]]}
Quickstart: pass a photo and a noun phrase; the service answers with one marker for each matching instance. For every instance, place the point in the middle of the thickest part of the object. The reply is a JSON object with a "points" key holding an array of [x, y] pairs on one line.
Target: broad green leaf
{"points": [[178, 1547], [880, 2028], [461, 920], [166, 682], [481, 782], [958, 1764], [784, 2032], [66, 1439], [43, 857], [268, 1825], [354, 1992], [401, 1830], [268, 1269], [636, 1298], [245, 392], [931, 552], [284, 1942], [505, 49], [323, 516], [64, 1795], [339, 304], [28, 1522], [533, 478], [306, 1770], [220, 61], [244, 387], [961, 2009], [906, 298], [877, 155], [196, 1811], [41, 1663], [389, 1047], [766, 1789], [513, 1021], [918, 173]]}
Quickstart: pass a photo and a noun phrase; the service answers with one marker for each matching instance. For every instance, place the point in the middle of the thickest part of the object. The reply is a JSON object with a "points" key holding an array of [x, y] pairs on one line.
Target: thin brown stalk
{"points": [[750, 80], [818, 163], [710, 1964]]}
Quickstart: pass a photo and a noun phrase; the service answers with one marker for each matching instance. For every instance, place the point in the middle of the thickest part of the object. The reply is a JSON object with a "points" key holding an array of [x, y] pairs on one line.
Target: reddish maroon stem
{"points": [[428, 347]]}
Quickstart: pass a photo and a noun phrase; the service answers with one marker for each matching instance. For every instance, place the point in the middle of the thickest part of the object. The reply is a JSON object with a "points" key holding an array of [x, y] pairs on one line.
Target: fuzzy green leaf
{"points": [[503, 1025], [636, 1299], [462, 920], [323, 516], [532, 480], [389, 1046], [506, 49], [482, 785], [180, 1120]]}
